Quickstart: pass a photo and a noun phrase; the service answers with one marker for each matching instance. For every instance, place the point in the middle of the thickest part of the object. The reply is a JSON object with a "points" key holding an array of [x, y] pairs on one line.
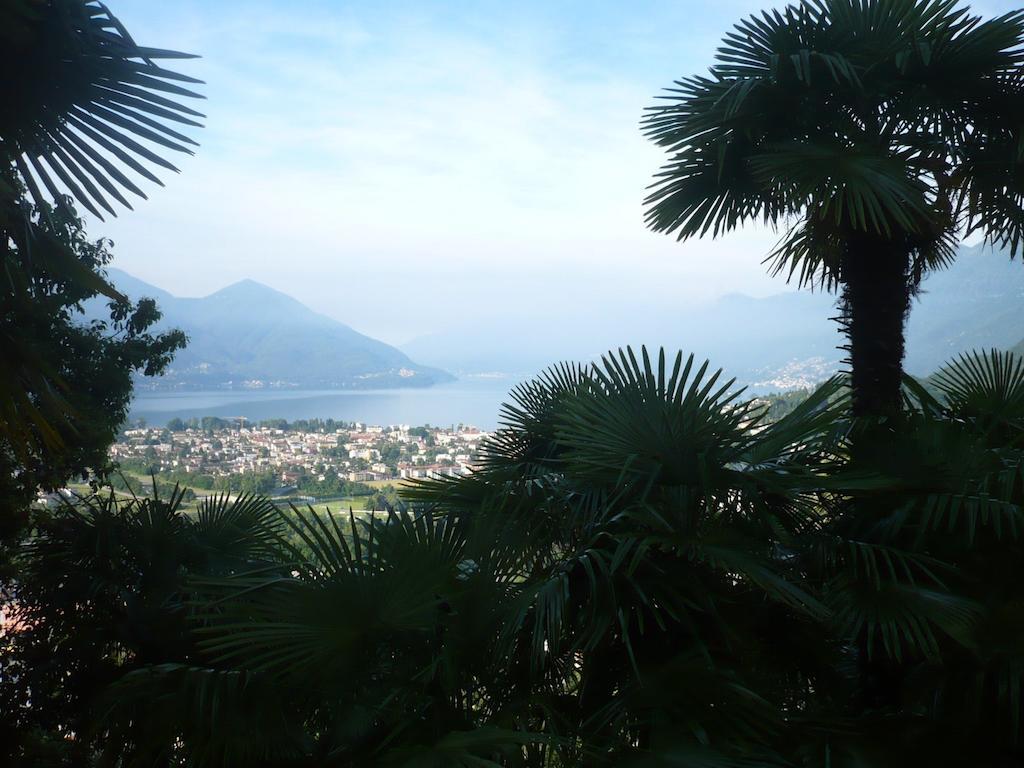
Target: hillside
{"points": [[249, 335], [783, 341], [975, 304]]}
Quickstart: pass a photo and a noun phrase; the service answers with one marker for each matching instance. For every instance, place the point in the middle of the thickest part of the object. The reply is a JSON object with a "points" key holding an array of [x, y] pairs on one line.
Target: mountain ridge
{"points": [[248, 334], [781, 341]]}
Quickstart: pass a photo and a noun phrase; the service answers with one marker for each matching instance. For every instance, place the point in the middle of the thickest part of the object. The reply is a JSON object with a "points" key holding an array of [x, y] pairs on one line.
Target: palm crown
{"points": [[893, 118], [877, 131]]}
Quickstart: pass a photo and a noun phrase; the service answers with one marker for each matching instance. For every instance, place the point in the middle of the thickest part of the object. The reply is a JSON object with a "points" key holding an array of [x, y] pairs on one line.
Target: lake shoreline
{"points": [[461, 402]]}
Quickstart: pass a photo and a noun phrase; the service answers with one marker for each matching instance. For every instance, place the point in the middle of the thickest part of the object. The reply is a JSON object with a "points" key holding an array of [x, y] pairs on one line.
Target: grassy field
{"points": [[333, 506]]}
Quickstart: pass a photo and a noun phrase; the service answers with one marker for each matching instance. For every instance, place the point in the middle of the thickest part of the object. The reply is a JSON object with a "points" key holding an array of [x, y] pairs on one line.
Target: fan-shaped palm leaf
{"points": [[90, 108], [384, 627], [984, 385]]}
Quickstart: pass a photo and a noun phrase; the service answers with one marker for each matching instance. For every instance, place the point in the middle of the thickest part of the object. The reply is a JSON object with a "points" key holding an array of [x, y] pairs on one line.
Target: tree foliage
{"points": [[76, 123], [101, 590], [898, 118], [645, 571], [68, 381]]}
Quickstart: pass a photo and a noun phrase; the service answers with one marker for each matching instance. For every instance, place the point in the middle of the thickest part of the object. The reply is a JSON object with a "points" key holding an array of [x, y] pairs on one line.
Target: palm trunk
{"points": [[874, 307]]}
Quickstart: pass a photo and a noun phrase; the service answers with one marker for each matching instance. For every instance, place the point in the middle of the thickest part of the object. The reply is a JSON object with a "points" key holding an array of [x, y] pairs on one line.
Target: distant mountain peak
{"points": [[248, 288], [975, 303], [247, 283]]}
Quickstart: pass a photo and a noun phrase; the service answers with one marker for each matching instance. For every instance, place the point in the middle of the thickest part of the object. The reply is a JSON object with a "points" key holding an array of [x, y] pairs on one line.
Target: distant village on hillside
{"points": [[316, 459], [300, 454]]}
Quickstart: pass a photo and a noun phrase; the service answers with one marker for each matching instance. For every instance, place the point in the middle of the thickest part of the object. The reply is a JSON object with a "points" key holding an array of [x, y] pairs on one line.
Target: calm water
{"points": [[472, 402]]}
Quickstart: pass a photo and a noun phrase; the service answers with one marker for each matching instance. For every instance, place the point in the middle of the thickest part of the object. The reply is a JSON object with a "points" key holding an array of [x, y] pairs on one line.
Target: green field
{"points": [[332, 506]]}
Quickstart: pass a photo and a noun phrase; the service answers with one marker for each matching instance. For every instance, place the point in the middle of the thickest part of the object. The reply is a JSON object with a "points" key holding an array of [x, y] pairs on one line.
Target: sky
{"points": [[416, 167]]}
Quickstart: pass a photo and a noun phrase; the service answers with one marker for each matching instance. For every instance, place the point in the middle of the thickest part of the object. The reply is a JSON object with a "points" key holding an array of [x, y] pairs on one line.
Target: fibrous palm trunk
{"points": [[877, 288], [874, 307]]}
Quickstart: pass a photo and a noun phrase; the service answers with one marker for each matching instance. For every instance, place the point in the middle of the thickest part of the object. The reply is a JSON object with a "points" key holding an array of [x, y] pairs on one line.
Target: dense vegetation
{"points": [[65, 382], [641, 550], [648, 569], [53, 430]]}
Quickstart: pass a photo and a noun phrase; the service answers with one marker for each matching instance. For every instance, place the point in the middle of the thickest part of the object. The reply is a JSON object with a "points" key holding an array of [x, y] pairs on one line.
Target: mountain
{"points": [[249, 335], [752, 338], [782, 341], [975, 304]]}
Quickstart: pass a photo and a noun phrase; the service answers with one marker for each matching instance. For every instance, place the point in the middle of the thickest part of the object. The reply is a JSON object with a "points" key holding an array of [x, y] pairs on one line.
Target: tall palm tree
{"points": [[877, 132]]}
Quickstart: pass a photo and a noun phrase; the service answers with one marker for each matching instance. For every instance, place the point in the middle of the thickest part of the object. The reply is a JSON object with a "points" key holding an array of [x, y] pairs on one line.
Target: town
{"points": [[318, 457]]}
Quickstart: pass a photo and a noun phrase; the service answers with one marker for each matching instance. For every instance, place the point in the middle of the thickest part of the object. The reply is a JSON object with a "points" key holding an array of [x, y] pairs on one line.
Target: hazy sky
{"points": [[410, 167]]}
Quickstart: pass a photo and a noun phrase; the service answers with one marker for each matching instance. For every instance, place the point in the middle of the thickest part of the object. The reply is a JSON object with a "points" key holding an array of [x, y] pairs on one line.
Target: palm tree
{"points": [[922, 541], [877, 131], [100, 589], [663, 615]]}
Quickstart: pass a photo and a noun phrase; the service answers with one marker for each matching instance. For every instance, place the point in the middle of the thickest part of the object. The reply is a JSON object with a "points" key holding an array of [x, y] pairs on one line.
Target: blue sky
{"points": [[409, 167]]}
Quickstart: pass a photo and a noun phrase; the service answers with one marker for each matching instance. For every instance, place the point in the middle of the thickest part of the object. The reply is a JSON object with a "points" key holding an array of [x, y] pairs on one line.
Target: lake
{"points": [[475, 402]]}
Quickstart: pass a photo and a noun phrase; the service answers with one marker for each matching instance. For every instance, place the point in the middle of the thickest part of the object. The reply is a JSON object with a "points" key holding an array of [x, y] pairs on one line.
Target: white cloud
{"points": [[402, 174]]}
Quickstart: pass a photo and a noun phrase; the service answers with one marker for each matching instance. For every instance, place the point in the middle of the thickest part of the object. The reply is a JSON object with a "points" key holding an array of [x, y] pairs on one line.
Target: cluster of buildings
{"points": [[806, 373], [359, 453]]}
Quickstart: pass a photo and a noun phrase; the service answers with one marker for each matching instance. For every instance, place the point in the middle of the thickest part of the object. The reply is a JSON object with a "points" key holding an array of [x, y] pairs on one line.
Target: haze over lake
{"points": [[475, 402]]}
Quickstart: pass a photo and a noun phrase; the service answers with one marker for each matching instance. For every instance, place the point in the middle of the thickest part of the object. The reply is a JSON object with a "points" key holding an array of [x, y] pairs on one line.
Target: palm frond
{"points": [[984, 385], [214, 717], [336, 593], [244, 527], [89, 106]]}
